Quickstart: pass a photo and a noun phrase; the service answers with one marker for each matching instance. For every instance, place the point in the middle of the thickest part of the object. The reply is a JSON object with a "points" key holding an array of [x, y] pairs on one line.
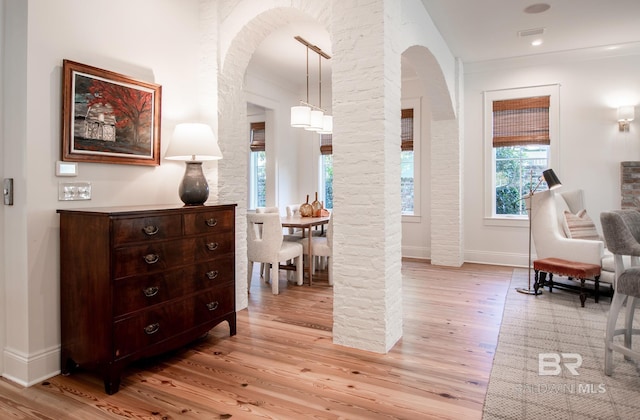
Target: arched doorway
{"points": [[366, 108]]}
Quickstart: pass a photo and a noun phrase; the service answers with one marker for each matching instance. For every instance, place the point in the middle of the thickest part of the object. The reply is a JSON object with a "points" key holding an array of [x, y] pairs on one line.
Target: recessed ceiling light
{"points": [[537, 8], [536, 42]]}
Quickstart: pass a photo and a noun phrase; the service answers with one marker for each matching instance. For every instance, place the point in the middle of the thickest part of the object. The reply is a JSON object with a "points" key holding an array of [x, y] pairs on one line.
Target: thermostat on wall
{"points": [[66, 168]]}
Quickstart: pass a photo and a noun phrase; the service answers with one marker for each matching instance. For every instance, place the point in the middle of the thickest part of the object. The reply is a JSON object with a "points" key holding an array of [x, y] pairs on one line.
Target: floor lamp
{"points": [[552, 182]]}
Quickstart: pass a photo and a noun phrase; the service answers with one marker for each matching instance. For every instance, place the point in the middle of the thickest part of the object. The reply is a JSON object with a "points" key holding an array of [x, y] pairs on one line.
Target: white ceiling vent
{"points": [[530, 32]]}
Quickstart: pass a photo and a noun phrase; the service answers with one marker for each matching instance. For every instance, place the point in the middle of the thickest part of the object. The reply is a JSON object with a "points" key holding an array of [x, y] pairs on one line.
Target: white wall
{"points": [[591, 148], [142, 47], [2, 154], [286, 147]]}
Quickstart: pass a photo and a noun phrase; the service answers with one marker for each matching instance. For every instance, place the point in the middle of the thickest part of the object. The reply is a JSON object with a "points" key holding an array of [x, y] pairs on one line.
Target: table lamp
{"points": [[193, 143]]}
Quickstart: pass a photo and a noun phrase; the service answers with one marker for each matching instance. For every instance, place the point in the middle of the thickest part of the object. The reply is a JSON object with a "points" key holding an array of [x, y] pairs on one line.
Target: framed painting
{"points": [[108, 117]]}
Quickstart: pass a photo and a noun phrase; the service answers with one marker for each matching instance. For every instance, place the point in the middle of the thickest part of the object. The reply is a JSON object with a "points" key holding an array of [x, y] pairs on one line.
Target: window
{"points": [[257, 166], [410, 169], [407, 184], [410, 159], [326, 168], [521, 139]]}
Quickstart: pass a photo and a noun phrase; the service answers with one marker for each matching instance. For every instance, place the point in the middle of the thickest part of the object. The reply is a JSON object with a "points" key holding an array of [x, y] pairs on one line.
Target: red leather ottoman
{"points": [[571, 269]]}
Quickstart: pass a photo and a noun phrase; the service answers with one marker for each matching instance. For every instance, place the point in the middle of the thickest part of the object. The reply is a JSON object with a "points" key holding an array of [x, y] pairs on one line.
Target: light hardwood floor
{"points": [[282, 364]]}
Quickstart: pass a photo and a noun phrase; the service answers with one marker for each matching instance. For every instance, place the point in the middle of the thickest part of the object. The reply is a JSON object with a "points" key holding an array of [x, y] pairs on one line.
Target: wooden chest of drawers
{"points": [[139, 281]]}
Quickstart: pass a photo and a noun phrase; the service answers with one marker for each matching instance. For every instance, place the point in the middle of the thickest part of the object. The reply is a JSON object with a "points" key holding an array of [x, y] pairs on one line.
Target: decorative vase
{"points": [[317, 206], [306, 210]]}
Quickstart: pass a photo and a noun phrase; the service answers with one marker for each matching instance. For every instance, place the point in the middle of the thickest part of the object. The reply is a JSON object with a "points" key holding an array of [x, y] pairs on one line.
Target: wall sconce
{"points": [[625, 116]]}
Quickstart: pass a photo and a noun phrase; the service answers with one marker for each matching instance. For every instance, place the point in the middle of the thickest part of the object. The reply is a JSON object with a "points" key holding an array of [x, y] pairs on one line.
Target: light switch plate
{"points": [[73, 191], [7, 191], [66, 168]]}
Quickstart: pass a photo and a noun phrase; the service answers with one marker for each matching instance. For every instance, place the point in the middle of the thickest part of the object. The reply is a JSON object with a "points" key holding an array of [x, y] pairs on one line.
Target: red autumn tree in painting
{"points": [[131, 107]]}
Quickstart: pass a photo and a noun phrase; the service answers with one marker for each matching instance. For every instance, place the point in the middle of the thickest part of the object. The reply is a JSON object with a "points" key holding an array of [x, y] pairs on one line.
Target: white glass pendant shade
{"points": [[300, 116], [316, 120], [327, 125]]}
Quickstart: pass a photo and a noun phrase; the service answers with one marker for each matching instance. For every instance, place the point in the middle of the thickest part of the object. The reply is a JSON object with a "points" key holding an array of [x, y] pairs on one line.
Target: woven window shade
{"points": [[257, 137], [407, 130], [326, 147], [520, 122], [406, 134]]}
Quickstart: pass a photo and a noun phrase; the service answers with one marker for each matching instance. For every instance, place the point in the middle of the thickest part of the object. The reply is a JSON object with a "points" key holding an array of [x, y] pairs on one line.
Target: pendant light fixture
{"points": [[317, 114], [327, 120], [301, 114], [306, 115]]}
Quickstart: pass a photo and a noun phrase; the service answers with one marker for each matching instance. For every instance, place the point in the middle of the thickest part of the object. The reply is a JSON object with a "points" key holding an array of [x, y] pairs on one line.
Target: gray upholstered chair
{"points": [[621, 230], [265, 244]]}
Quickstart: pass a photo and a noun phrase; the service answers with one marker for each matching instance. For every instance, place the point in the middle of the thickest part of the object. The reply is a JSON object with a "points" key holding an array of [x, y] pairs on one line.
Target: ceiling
{"points": [[479, 30], [474, 30]]}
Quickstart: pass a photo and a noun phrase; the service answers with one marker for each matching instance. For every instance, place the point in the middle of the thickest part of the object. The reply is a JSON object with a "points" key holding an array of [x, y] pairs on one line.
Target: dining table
{"points": [[305, 224]]}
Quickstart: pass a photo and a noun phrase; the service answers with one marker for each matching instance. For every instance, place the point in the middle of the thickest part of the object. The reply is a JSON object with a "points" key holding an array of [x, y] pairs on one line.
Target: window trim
{"points": [[553, 91]]}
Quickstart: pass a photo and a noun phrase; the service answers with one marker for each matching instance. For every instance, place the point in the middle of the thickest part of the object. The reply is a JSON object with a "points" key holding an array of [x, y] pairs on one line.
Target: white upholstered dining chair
{"points": [[321, 249], [296, 233], [265, 244], [266, 210]]}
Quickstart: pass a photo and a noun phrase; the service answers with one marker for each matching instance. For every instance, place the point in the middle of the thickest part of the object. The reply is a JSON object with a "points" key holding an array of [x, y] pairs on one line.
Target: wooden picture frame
{"points": [[108, 117]]}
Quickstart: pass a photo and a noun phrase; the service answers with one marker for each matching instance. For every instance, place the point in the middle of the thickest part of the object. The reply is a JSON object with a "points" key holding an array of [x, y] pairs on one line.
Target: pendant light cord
{"points": [[307, 74]]}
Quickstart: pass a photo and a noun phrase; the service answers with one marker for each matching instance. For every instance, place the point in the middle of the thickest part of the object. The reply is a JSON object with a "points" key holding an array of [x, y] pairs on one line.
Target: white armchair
{"points": [[550, 239]]}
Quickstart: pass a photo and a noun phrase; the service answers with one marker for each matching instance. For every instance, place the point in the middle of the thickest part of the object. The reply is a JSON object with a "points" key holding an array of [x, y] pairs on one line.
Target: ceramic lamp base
{"points": [[194, 189]]}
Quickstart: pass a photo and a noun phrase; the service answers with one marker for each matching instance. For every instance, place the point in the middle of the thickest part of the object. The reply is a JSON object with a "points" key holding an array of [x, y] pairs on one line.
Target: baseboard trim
{"points": [[497, 258], [30, 369]]}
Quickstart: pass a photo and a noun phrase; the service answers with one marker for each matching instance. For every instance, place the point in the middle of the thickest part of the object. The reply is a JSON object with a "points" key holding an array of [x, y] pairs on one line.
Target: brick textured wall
{"points": [[630, 184], [446, 193], [366, 144]]}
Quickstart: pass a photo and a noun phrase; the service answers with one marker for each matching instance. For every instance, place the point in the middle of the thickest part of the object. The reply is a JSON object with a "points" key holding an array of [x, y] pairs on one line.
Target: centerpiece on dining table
{"points": [[315, 209]]}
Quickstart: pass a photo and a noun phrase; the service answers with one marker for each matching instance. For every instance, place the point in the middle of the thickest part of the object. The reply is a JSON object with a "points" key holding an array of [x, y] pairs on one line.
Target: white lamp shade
{"points": [[626, 113], [300, 116], [193, 142], [327, 125], [317, 120]]}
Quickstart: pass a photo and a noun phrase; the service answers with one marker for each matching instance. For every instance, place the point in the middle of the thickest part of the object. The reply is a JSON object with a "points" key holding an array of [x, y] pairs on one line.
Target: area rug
{"points": [[549, 362]]}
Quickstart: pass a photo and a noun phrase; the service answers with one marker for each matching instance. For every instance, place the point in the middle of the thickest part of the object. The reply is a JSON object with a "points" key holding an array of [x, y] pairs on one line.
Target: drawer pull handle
{"points": [[212, 246], [212, 274], [150, 230], [151, 328], [212, 306], [150, 291], [211, 222], [151, 258]]}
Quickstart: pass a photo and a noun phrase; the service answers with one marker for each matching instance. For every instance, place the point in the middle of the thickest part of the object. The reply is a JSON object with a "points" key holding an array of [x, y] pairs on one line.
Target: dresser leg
{"points": [[112, 381], [232, 324], [67, 364]]}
